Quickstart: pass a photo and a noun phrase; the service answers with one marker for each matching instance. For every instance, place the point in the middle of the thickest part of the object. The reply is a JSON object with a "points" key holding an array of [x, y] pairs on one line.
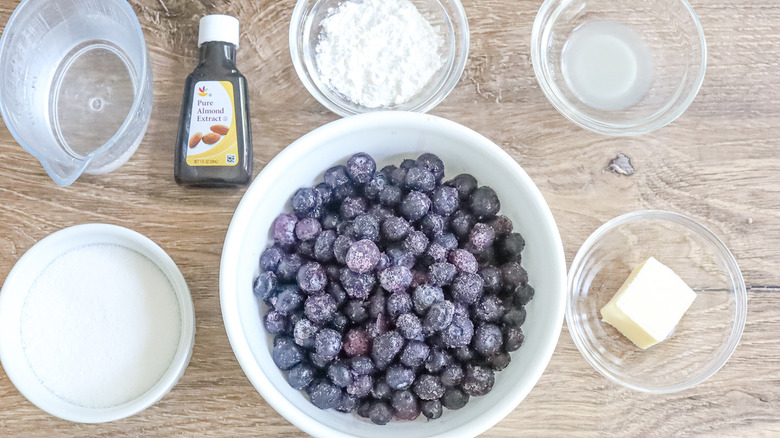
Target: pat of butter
{"points": [[649, 304]]}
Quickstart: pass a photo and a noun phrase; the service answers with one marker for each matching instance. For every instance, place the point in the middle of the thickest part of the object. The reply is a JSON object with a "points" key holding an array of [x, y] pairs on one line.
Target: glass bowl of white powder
{"points": [[97, 323], [361, 56]]}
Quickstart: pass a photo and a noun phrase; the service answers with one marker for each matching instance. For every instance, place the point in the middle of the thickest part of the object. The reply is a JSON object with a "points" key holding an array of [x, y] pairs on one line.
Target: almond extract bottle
{"points": [[214, 146]]}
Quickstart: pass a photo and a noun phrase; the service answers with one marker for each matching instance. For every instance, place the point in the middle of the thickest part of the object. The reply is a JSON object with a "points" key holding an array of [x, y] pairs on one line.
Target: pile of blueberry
{"points": [[391, 293]]}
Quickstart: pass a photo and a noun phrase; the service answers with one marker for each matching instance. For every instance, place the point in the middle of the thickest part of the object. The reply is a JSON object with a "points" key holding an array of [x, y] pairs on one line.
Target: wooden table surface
{"points": [[719, 163]]}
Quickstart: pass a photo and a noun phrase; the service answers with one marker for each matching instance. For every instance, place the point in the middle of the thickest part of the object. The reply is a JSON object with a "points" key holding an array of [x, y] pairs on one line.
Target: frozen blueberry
{"points": [[286, 354], [499, 361], [381, 390], [325, 193], [336, 176], [432, 225], [408, 163], [501, 225], [361, 167], [386, 347], [424, 296], [464, 183], [419, 179], [491, 277], [362, 256], [264, 285], [364, 408], [361, 386], [380, 413], [288, 300], [458, 333], [489, 308], [387, 170], [431, 409], [467, 288], [320, 361], [398, 175], [375, 186], [409, 326], [452, 375], [395, 228], [283, 230], [487, 340], [463, 354], [357, 285], [366, 226], [347, 403], [340, 247], [288, 267], [437, 360], [442, 274], [362, 365], [339, 374], [513, 338], [510, 248], [513, 275], [463, 260], [320, 308], [461, 223], [306, 249], [399, 377], [330, 221], [428, 387], [445, 200], [414, 353], [447, 240], [416, 243], [390, 196], [312, 277], [454, 398], [377, 303], [305, 332], [356, 342], [276, 323], [439, 316], [356, 311], [415, 205], [325, 395], [339, 322], [270, 258], [514, 317], [435, 253], [400, 257], [405, 405], [380, 212], [341, 193], [484, 203], [478, 380], [398, 304], [327, 342], [338, 293], [379, 326], [396, 278], [522, 295], [305, 201], [300, 376], [351, 207], [481, 236], [433, 164]]}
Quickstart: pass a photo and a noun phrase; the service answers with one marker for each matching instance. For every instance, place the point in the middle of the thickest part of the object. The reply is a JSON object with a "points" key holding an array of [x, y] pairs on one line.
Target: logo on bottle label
{"points": [[213, 139]]}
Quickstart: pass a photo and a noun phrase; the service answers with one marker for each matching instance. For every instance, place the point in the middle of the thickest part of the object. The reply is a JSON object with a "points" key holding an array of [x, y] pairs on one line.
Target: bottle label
{"points": [[213, 138]]}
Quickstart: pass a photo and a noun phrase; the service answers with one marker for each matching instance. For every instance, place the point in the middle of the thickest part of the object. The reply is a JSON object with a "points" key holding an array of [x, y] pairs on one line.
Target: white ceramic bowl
{"points": [[390, 137], [21, 279]]}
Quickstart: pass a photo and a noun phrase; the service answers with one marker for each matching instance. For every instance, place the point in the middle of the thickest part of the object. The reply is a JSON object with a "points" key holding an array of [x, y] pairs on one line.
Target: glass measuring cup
{"points": [[75, 84]]}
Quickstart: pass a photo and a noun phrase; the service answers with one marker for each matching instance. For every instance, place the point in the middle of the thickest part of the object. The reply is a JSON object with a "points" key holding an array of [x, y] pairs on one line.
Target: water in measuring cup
{"points": [[91, 95], [607, 65]]}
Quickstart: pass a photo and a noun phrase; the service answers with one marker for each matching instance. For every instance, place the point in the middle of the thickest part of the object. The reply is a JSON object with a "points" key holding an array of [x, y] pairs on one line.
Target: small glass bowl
{"points": [[707, 334], [670, 34], [447, 16]]}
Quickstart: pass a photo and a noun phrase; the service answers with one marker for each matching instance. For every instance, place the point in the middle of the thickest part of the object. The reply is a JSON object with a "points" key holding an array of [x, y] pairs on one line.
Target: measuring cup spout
{"points": [[64, 173]]}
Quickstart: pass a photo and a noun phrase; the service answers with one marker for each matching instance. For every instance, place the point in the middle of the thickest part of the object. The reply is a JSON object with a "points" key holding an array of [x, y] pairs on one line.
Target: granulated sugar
{"points": [[378, 52], [100, 325]]}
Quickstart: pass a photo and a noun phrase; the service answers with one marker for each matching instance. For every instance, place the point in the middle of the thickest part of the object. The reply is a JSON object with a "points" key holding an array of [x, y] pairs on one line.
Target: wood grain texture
{"points": [[719, 163]]}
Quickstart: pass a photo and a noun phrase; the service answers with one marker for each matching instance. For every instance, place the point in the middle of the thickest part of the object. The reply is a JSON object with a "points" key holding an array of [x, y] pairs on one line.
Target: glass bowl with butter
{"points": [[656, 302]]}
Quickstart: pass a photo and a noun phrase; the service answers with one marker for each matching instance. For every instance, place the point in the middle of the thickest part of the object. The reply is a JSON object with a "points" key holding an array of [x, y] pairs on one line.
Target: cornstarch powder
{"points": [[100, 325], [378, 52]]}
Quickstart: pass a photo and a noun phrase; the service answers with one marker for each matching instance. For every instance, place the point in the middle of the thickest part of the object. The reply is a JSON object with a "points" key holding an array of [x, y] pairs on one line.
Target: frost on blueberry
{"points": [[362, 256]]}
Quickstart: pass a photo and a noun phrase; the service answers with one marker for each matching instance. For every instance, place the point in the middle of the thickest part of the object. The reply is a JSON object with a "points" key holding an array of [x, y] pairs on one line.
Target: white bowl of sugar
{"points": [[96, 322]]}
